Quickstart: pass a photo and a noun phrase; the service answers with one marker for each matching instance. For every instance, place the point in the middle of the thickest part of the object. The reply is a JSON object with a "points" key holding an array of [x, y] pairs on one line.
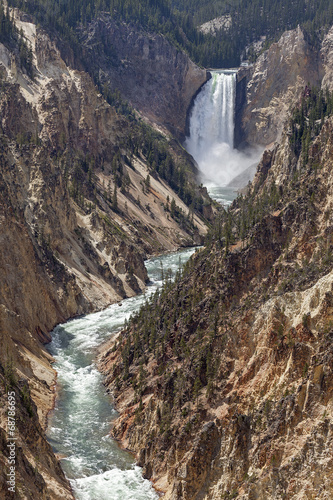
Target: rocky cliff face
{"points": [[229, 392], [155, 77], [78, 216], [273, 85], [37, 471]]}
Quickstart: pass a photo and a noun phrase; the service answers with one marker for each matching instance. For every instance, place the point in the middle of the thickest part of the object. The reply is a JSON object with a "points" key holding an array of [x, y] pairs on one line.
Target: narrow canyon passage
{"points": [[79, 426]]}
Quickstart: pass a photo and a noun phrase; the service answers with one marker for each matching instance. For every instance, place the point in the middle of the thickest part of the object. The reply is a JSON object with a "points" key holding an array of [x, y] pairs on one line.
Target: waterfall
{"points": [[212, 116], [211, 131]]}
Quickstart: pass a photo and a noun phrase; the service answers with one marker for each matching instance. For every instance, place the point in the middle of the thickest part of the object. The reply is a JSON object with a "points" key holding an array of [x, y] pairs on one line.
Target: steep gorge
{"points": [[81, 208], [232, 394]]}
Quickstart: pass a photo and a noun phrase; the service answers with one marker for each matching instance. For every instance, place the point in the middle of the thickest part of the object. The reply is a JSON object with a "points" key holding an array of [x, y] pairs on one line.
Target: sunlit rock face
{"points": [[274, 84]]}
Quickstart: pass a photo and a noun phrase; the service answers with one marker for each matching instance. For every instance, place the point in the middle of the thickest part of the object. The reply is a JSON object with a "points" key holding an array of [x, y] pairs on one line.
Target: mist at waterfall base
{"points": [[79, 426], [211, 134]]}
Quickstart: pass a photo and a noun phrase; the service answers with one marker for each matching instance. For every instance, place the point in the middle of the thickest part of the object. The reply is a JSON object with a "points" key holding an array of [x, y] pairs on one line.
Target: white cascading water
{"points": [[212, 116], [211, 139]]}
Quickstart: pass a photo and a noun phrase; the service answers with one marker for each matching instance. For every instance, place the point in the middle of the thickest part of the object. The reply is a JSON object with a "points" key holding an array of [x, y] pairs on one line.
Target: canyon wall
{"points": [[268, 89], [149, 72], [80, 210]]}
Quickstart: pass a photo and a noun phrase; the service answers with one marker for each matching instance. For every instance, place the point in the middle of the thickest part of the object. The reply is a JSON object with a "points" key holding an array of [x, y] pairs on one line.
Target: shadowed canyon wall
{"points": [[157, 79]]}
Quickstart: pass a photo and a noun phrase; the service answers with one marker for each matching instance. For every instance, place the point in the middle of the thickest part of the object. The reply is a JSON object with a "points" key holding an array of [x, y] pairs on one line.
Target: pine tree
{"points": [[115, 198]]}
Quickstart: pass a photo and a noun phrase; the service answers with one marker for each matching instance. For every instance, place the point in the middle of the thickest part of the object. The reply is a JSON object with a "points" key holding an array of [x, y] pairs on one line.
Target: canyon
{"points": [[83, 205]]}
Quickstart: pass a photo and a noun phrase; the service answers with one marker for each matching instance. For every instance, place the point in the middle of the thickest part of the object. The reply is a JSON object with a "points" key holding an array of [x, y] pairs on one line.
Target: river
{"points": [[79, 426], [222, 194]]}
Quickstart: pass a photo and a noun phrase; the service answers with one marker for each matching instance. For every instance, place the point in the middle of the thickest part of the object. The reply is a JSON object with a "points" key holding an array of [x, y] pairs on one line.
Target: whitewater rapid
{"points": [[79, 426]]}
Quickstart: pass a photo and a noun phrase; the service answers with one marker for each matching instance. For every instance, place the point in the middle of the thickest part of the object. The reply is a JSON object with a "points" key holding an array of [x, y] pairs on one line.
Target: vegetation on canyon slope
{"points": [[140, 142], [308, 118], [188, 321], [179, 21], [172, 164], [186, 346], [15, 40], [215, 268]]}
